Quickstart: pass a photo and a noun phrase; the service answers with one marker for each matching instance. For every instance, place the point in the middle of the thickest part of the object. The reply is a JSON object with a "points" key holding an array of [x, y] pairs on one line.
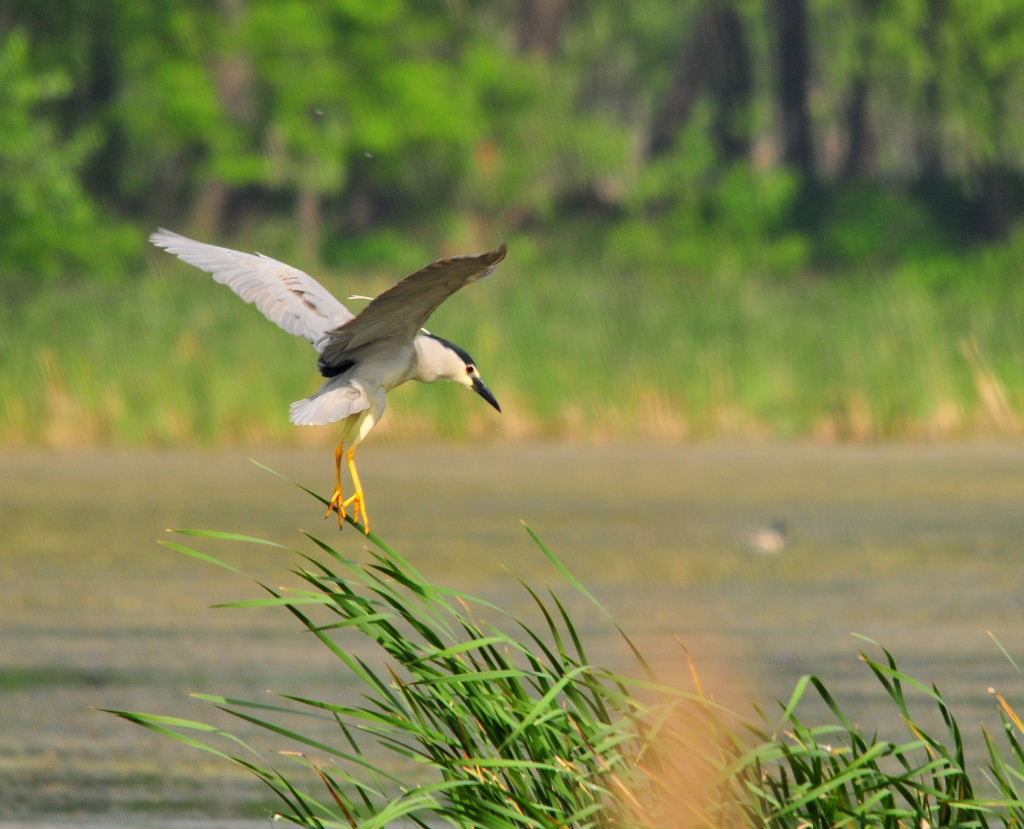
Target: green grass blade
{"points": [[1004, 651], [565, 571], [201, 556], [222, 701], [166, 725], [248, 539]]}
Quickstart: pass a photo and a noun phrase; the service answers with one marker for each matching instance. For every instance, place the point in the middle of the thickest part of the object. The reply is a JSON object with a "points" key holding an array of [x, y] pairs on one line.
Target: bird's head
{"points": [[441, 359]]}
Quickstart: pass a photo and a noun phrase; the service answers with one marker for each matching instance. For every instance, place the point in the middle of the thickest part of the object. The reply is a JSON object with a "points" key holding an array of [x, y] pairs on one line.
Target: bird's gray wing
{"points": [[286, 296], [400, 312]]}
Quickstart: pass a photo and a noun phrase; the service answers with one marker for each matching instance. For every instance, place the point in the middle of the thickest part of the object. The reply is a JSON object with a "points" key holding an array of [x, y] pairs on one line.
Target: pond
{"points": [[917, 547]]}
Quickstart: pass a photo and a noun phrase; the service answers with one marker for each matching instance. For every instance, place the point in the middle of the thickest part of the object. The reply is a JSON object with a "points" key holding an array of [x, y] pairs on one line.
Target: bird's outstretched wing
{"points": [[286, 296], [400, 312]]}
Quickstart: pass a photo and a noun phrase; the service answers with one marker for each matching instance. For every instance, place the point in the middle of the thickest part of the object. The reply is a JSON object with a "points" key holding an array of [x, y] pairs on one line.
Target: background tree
{"points": [[351, 129], [792, 81], [714, 60]]}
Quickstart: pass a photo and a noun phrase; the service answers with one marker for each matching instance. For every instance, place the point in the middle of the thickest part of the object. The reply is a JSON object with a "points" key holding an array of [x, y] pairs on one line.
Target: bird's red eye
{"points": [[470, 369]]}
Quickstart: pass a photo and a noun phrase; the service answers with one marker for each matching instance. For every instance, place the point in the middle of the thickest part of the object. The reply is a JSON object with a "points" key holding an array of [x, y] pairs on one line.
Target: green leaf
{"points": [[229, 537], [201, 556], [563, 569]]}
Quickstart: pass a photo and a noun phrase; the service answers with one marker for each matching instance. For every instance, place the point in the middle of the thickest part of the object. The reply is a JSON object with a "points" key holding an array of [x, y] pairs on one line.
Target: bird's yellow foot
{"points": [[359, 513], [337, 505]]}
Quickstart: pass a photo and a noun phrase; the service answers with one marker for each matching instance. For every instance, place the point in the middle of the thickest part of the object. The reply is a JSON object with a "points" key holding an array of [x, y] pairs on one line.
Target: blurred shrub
{"points": [[687, 213], [384, 250], [869, 223], [52, 226]]}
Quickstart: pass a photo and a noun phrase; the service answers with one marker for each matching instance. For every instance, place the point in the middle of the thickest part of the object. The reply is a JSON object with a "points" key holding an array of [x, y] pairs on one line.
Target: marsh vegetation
{"points": [[486, 719]]}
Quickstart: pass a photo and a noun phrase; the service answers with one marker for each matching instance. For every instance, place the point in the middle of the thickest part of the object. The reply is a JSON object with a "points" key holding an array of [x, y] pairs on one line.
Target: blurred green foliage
{"points": [[328, 123], [647, 150], [934, 350], [50, 225]]}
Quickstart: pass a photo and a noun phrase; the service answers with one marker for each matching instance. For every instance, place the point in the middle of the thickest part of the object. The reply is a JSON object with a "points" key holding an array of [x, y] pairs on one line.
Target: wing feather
{"points": [[287, 296], [337, 398], [400, 312]]}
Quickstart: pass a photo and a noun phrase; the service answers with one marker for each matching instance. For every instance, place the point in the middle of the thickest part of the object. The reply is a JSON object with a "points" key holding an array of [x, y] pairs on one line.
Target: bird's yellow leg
{"points": [[337, 499], [338, 502], [359, 499]]}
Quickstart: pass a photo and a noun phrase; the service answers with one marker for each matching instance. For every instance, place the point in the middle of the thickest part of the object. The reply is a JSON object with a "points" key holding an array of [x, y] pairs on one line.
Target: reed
{"points": [[573, 348], [470, 717]]}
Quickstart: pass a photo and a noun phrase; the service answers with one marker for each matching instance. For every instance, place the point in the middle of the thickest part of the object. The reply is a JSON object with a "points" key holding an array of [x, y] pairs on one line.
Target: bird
{"points": [[768, 541], [361, 356]]}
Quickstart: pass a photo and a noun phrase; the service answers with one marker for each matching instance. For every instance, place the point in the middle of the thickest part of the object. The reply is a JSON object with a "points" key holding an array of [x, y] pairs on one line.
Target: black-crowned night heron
{"points": [[362, 356]]}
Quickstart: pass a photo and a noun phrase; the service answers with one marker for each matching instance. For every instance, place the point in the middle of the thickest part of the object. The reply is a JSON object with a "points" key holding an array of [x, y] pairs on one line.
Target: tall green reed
{"points": [[470, 717]]}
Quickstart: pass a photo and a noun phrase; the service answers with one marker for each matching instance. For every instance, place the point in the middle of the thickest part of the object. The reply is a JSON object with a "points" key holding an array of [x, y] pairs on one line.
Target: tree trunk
{"points": [[859, 157], [731, 80], [541, 23], [929, 130], [858, 141], [993, 214], [208, 206], [682, 94], [715, 58], [232, 75], [789, 20], [309, 221]]}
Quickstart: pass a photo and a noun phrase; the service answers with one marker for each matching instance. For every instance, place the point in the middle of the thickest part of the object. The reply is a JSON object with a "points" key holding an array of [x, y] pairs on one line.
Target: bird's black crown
{"points": [[458, 349]]}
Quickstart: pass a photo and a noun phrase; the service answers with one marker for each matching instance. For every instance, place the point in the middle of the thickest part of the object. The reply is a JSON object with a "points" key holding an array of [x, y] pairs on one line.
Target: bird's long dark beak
{"points": [[481, 388]]}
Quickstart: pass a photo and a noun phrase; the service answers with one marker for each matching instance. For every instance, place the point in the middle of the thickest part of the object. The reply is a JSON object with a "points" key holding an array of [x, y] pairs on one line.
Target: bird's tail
{"points": [[332, 402]]}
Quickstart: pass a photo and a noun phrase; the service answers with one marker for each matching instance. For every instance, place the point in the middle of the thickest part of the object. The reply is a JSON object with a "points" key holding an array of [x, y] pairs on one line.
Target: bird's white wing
{"points": [[400, 312], [286, 296]]}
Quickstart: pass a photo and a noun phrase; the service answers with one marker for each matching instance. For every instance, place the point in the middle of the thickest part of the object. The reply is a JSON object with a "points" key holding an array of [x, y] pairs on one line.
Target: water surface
{"points": [[917, 547]]}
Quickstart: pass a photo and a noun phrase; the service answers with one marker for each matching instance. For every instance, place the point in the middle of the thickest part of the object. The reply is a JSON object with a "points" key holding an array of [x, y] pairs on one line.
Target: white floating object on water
{"points": [[768, 541]]}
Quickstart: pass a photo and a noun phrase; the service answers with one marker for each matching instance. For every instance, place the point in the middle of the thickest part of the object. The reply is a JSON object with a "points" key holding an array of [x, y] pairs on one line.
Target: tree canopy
{"points": [[783, 131]]}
